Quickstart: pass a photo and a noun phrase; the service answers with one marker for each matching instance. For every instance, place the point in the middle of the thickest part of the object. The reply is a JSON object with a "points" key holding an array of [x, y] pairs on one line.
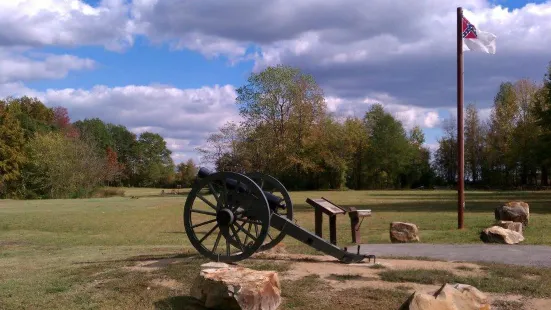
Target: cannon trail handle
{"points": [[283, 224]]}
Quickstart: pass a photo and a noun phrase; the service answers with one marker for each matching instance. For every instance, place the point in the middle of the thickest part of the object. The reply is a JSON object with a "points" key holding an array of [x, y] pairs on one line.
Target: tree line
{"points": [[45, 155], [512, 148], [288, 132]]}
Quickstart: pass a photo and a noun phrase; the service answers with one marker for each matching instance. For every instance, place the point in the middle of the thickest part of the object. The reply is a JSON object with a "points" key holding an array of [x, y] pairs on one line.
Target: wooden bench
{"points": [[324, 206]]}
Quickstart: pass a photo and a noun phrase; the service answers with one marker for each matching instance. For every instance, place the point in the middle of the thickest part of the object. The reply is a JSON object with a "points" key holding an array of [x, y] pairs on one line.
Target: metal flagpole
{"points": [[460, 145]]}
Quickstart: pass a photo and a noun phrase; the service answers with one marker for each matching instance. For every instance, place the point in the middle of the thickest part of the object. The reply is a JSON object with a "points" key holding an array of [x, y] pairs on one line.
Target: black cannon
{"points": [[243, 209]]}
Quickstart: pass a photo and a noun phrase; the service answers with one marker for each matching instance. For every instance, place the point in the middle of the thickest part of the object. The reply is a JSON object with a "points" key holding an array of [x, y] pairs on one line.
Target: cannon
{"points": [[241, 209]]}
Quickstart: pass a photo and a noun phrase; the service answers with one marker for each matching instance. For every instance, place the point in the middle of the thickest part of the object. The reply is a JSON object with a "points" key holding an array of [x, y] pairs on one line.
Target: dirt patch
{"points": [[145, 266], [12, 243], [152, 265], [167, 282], [341, 276], [537, 303]]}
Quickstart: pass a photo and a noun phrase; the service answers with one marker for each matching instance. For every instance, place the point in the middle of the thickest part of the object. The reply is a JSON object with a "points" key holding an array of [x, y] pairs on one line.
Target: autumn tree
{"points": [[282, 108], [11, 148], [61, 167], [125, 145], [445, 158], [474, 144], [32, 114], [186, 173]]}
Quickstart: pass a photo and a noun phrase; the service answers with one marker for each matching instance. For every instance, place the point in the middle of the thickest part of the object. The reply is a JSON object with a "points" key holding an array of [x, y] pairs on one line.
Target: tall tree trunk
{"points": [[544, 176]]}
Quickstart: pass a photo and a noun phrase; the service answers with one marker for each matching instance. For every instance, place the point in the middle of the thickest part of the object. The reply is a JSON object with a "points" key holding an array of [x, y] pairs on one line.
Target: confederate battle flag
{"points": [[477, 40]]}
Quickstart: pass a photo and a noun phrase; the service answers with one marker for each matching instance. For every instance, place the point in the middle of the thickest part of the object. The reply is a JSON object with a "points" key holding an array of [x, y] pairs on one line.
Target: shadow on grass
{"points": [[141, 258], [179, 302]]}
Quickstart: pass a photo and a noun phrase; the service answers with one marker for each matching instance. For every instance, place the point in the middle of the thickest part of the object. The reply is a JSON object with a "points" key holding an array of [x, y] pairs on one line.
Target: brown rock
{"points": [[514, 226], [401, 232], [237, 288], [497, 234], [449, 297], [516, 211]]}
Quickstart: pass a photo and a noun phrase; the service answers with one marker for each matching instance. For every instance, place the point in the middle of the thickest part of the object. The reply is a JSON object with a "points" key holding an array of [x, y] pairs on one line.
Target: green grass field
{"points": [[54, 252]]}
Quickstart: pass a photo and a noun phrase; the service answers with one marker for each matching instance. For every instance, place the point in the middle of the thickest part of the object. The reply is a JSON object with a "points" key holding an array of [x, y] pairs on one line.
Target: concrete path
{"points": [[527, 255]]}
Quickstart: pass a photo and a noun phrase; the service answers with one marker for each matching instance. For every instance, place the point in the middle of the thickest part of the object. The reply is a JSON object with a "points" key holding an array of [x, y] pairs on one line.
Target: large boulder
{"points": [[497, 234], [516, 211], [401, 232], [448, 297], [237, 288], [514, 226]]}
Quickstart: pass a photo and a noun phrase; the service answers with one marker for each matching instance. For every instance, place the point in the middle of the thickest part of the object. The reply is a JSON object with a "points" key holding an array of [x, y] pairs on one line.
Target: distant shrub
{"points": [[108, 192]]}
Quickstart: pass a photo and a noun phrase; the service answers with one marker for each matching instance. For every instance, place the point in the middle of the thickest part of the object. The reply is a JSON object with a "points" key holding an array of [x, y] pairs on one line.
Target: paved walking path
{"points": [[527, 255]]}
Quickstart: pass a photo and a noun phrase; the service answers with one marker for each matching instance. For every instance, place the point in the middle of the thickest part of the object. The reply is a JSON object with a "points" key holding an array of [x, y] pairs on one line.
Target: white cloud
{"points": [[354, 48], [409, 115], [65, 23], [16, 67], [361, 52]]}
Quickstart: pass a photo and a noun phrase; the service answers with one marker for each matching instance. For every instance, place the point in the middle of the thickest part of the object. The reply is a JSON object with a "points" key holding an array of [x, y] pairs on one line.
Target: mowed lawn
{"points": [[53, 251]]}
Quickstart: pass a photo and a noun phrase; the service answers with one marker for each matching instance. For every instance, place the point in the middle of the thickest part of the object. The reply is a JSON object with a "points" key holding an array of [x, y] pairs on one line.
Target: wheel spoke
{"points": [[207, 202], [213, 191], [270, 237], [248, 221], [228, 247], [237, 237], [217, 241], [204, 212], [247, 233], [208, 233], [249, 230], [204, 223]]}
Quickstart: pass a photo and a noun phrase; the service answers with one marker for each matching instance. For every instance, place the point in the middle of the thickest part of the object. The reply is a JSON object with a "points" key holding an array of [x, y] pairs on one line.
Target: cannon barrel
{"points": [[273, 200]]}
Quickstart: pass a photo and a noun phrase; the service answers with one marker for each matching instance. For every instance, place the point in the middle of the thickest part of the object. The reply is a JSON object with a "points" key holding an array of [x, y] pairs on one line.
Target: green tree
{"points": [[186, 173], [61, 167], [355, 148], [155, 164], [445, 158], [282, 107], [125, 145], [542, 108], [388, 150], [32, 114], [500, 137], [11, 148], [474, 144], [96, 133]]}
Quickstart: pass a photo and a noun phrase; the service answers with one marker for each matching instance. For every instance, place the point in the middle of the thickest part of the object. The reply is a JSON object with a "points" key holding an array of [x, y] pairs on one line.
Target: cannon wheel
{"points": [[229, 211], [272, 185]]}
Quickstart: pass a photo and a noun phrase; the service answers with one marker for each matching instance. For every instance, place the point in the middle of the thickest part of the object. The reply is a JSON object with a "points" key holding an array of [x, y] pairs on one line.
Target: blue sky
{"points": [[168, 67]]}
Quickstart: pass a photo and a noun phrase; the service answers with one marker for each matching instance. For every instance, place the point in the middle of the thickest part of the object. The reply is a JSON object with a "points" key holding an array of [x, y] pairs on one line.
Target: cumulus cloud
{"points": [[17, 67], [361, 52], [65, 23], [409, 115], [358, 47]]}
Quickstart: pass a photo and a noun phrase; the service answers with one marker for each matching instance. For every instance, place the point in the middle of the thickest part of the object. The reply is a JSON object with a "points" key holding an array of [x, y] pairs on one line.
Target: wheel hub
{"points": [[225, 217]]}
